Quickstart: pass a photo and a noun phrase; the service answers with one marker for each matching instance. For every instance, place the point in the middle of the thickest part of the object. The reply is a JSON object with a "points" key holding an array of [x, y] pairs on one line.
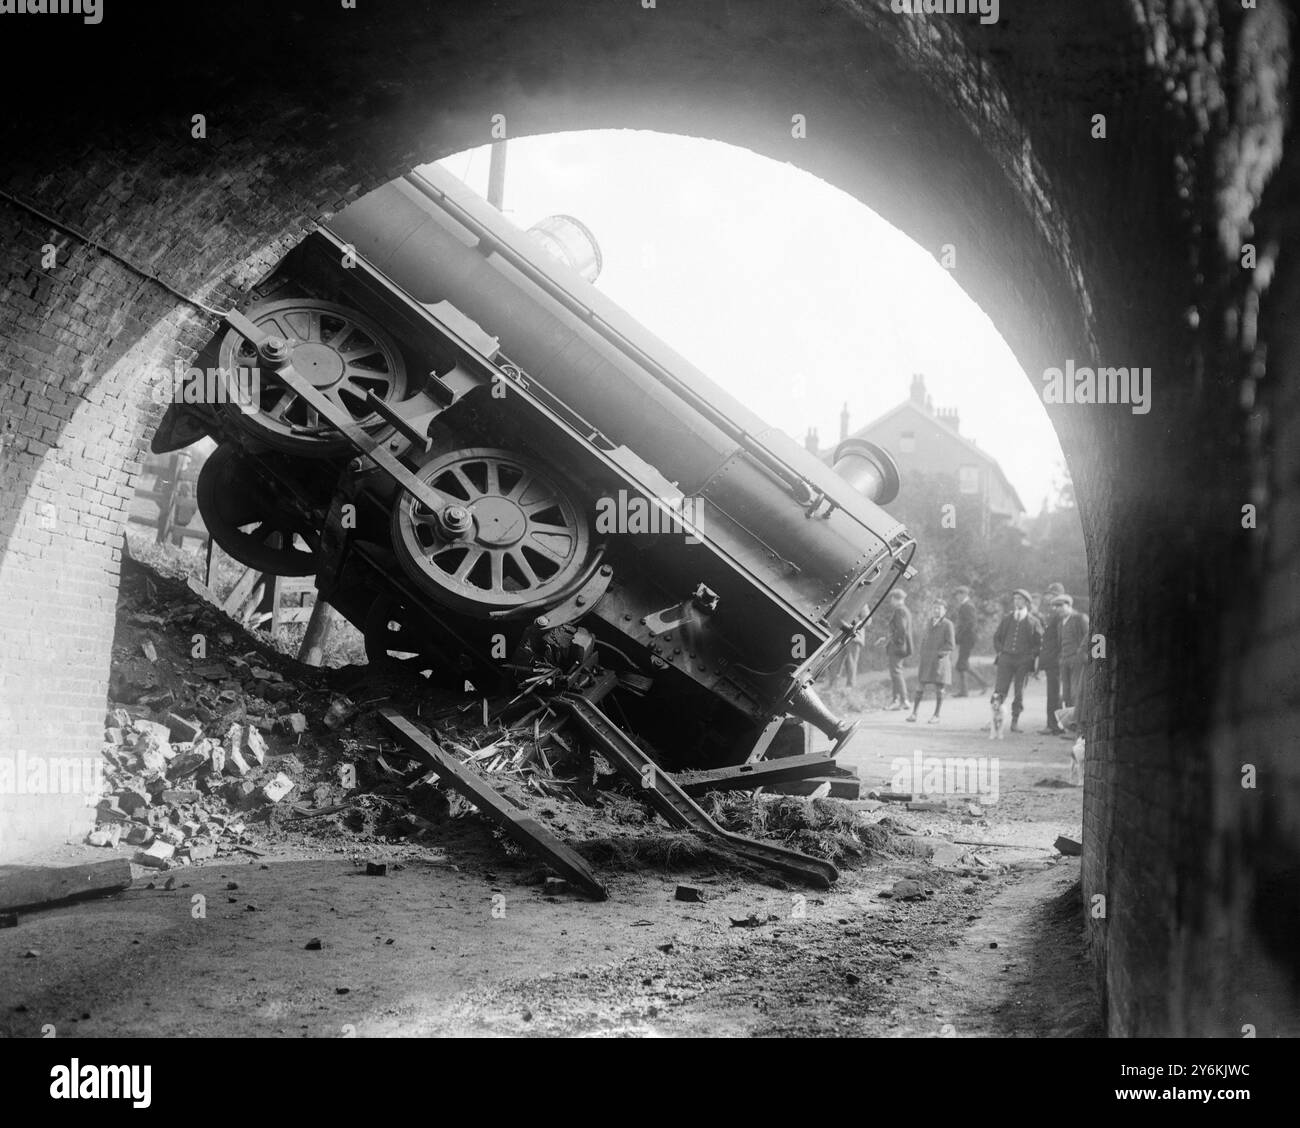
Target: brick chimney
{"points": [[918, 396], [811, 442], [949, 416]]}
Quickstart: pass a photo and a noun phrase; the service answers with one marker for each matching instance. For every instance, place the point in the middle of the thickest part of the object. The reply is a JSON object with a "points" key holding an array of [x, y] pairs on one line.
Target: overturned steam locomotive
{"points": [[501, 478]]}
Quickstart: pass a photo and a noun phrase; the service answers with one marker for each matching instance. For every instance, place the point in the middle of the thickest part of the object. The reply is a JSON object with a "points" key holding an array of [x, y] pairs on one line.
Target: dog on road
{"points": [[998, 718]]}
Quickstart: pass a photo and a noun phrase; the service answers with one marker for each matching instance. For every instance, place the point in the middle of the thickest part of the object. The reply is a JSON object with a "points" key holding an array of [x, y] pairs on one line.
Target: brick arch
{"points": [[955, 132]]}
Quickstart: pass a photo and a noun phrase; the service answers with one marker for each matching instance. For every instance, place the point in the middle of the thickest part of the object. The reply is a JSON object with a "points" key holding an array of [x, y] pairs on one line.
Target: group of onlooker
{"points": [[1056, 641]]}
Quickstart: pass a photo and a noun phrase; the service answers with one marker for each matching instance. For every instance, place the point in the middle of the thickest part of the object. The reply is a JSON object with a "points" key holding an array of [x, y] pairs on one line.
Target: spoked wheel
{"points": [[343, 354], [507, 540], [244, 517]]}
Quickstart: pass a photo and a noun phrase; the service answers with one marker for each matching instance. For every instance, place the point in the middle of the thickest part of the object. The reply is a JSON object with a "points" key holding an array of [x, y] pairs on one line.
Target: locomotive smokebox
{"points": [[868, 468]]}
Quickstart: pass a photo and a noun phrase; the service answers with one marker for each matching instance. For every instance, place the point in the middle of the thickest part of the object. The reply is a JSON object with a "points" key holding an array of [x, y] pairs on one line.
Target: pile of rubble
{"points": [[175, 793]]}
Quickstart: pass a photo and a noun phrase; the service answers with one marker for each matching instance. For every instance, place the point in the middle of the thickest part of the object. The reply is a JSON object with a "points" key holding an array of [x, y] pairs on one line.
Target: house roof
{"points": [[909, 405]]}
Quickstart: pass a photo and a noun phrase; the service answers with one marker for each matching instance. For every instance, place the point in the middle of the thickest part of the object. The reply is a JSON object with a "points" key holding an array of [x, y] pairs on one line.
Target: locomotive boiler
{"points": [[502, 479]]}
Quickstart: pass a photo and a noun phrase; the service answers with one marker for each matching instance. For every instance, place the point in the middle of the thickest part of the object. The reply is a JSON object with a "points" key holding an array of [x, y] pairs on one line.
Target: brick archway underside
{"points": [[1122, 251]]}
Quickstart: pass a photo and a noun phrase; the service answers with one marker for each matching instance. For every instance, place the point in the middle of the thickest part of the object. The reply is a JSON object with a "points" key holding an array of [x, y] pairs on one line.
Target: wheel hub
{"points": [[318, 363], [499, 522]]}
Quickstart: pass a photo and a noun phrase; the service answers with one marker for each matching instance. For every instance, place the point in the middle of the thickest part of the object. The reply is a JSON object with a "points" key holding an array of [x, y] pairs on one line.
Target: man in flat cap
{"points": [[966, 628], [1018, 642], [1073, 651], [1049, 660]]}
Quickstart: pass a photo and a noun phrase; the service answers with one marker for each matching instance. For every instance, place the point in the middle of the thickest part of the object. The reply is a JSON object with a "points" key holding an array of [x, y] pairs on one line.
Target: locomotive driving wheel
{"points": [[341, 352], [243, 515], [507, 540]]}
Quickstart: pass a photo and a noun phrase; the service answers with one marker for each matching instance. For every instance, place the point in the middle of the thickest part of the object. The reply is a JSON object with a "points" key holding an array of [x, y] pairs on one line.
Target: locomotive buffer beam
{"points": [[518, 824], [667, 797]]}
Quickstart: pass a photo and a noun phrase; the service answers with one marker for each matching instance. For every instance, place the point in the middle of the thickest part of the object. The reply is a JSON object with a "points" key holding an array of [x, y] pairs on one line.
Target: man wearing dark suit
{"points": [[1018, 641], [1074, 650], [966, 629], [898, 646], [1049, 660]]}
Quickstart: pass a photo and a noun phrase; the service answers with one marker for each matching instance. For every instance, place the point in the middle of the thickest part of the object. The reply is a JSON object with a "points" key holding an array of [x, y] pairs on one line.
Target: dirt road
{"points": [[460, 940]]}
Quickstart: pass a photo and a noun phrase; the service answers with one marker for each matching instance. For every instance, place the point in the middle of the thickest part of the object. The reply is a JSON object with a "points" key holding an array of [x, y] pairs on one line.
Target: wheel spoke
{"points": [[493, 480], [520, 486], [282, 405], [466, 565], [549, 530], [522, 562], [498, 582], [546, 550], [357, 353], [465, 482], [352, 372]]}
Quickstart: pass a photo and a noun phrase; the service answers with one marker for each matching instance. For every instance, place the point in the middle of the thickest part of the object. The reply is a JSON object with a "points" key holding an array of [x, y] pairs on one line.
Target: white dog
{"points": [[1076, 762], [999, 716]]}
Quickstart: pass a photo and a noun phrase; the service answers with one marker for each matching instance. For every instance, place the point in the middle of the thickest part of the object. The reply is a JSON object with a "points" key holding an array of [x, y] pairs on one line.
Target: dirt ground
{"points": [[459, 938]]}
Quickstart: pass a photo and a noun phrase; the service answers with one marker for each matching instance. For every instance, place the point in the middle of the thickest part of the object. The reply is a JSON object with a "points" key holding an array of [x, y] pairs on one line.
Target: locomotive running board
{"points": [[518, 824], [663, 793]]}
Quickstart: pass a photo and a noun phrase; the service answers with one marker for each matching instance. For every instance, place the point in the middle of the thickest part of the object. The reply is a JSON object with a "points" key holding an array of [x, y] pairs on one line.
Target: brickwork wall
{"points": [[1118, 252]]}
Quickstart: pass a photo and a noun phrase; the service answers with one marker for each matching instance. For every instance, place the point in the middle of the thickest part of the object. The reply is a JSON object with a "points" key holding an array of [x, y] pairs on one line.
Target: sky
{"points": [[790, 294]]}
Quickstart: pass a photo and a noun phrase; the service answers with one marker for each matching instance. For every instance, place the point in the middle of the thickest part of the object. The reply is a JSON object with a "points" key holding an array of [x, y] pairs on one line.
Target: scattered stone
{"points": [[177, 797], [907, 890], [342, 990], [752, 921], [8, 920], [294, 723], [256, 745], [689, 893], [186, 763], [232, 885], [105, 838], [182, 729], [250, 908], [313, 945], [131, 800], [158, 856], [113, 735], [107, 810], [31, 954], [139, 836], [278, 788], [169, 884], [236, 765], [1068, 846], [379, 869], [150, 651], [202, 851], [214, 671], [339, 713]]}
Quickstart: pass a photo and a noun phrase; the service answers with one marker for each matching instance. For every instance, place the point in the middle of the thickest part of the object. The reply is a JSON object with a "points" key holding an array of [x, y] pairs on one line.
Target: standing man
{"points": [[847, 662], [1018, 641], [1074, 650], [936, 657], [898, 646], [966, 624], [1050, 659]]}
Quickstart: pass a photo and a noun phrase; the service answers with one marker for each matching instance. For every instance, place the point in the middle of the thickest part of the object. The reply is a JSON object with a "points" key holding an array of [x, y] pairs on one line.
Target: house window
{"points": [[907, 442], [968, 479]]}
